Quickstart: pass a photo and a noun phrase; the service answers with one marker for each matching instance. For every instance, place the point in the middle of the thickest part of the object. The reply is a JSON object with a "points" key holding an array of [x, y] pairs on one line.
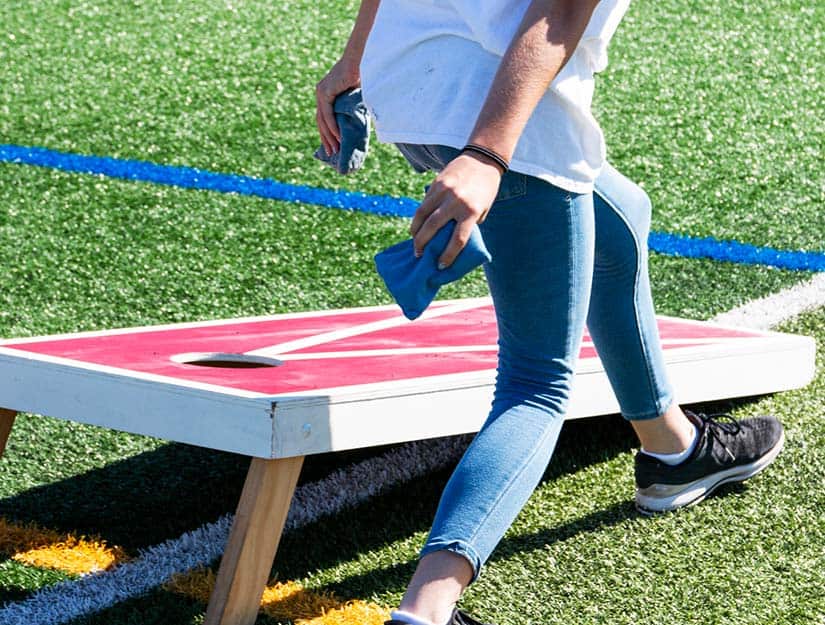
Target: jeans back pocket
{"points": [[513, 185]]}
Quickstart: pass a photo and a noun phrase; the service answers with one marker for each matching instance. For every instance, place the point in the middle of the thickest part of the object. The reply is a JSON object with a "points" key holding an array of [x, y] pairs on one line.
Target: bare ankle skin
{"points": [[436, 586], [669, 433]]}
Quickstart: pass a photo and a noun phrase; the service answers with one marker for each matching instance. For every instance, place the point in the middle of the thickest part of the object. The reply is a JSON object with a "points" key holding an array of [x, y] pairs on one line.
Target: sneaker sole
{"points": [[694, 492]]}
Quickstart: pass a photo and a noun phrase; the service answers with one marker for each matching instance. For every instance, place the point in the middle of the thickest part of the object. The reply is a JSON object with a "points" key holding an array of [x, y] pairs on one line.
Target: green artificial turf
{"points": [[717, 109], [83, 252], [18, 580], [714, 108]]}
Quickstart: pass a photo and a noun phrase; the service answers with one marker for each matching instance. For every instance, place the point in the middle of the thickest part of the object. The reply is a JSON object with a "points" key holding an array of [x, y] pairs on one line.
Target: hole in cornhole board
{"points": [[226, 360]]}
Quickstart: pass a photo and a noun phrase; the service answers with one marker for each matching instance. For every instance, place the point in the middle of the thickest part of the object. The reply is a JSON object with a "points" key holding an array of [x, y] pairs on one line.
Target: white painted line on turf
{"points": [[156, 565], [768, 312]]}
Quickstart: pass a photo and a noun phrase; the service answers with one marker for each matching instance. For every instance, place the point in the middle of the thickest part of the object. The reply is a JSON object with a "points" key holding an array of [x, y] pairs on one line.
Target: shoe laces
{"points": [[715, 426]]}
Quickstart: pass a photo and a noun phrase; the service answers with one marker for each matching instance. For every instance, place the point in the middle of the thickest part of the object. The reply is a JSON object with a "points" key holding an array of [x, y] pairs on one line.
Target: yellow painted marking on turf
{"points": [[351, 613], [289, 601], [44, 548]]}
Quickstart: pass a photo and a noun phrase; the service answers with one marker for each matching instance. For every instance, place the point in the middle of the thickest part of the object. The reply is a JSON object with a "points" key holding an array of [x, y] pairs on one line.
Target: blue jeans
{"points": [[560, 259]]}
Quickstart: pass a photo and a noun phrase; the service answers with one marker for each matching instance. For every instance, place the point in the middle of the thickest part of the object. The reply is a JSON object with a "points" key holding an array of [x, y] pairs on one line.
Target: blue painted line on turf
{"points": [[734, 252], [193, 178]]}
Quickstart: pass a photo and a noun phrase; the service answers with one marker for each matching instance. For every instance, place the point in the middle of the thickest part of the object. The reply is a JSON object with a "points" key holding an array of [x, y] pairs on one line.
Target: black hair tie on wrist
{"points": [[480, 149]]}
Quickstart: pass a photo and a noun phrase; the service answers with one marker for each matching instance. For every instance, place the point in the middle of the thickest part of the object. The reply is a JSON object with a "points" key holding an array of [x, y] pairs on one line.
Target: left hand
{"points": [[343, 75], [463, 191]]}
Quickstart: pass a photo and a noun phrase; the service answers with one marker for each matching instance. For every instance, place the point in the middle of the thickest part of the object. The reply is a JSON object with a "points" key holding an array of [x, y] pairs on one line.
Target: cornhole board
{"points": [[281, 387]]}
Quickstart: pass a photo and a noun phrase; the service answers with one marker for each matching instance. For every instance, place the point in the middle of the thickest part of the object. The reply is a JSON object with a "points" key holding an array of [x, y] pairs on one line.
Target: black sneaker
{"points": [[727, 451], [459, 617]]}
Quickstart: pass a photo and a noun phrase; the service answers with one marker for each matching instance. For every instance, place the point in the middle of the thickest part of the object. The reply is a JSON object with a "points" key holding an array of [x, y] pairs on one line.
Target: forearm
{"points": [[354, 49], [545, 40]]}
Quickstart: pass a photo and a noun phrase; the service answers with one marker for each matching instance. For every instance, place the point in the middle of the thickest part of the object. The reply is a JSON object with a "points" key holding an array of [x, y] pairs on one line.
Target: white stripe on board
{"points": [[156, 565], [392, 351], [412, 351], [67, 600], [275, 351], [768, 312]]}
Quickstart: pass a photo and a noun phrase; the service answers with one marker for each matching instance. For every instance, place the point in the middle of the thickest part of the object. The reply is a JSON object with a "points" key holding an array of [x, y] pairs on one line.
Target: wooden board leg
{"points": [[253, 540], [6, 423]]}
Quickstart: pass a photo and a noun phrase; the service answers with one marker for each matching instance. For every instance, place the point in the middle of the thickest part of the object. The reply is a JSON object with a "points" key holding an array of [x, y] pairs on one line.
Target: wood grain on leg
{"points": [[253, 540], [6, 423]]}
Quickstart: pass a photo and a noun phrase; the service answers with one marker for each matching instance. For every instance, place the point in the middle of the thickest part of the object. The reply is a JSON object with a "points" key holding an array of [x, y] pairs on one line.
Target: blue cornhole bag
{"points": [[414, 282], [354, 124]]}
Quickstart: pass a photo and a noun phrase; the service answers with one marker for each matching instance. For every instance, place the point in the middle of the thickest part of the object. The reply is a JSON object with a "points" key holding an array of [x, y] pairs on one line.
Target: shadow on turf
{"points": [[147, 498], [409, 509], [582, 443], [178, 487], [396, 576]]}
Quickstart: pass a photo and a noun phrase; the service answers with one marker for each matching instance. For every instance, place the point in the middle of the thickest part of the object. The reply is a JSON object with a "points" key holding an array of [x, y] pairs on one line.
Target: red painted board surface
{"points": [[455, 343]]}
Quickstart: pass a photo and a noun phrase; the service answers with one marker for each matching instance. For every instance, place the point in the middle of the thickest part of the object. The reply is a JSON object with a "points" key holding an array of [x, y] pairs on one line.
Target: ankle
{"points": [[436, 587], [671, 433], [678, 457]]}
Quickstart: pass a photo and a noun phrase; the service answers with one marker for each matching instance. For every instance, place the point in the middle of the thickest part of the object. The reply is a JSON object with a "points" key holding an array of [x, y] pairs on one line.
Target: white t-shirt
{"points": [[428, 66]]}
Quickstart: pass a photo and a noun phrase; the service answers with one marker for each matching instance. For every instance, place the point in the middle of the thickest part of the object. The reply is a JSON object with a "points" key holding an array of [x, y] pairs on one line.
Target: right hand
{"points": [[344, 75], [462, 192]]}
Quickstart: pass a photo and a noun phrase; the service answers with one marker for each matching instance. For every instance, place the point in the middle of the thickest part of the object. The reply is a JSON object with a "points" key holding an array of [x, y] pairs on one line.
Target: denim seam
{"points": [[410, 157], [426, 148], [643, 344], [466, 540], [572, 281]]}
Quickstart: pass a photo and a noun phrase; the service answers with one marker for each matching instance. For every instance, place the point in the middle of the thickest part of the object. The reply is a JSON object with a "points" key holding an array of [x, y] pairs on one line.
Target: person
{"points": [[494, 96]]}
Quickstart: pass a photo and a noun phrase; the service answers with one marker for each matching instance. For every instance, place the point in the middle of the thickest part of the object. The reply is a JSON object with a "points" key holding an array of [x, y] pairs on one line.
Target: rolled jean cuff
{"points": [[662, 405], [460, 548]]}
